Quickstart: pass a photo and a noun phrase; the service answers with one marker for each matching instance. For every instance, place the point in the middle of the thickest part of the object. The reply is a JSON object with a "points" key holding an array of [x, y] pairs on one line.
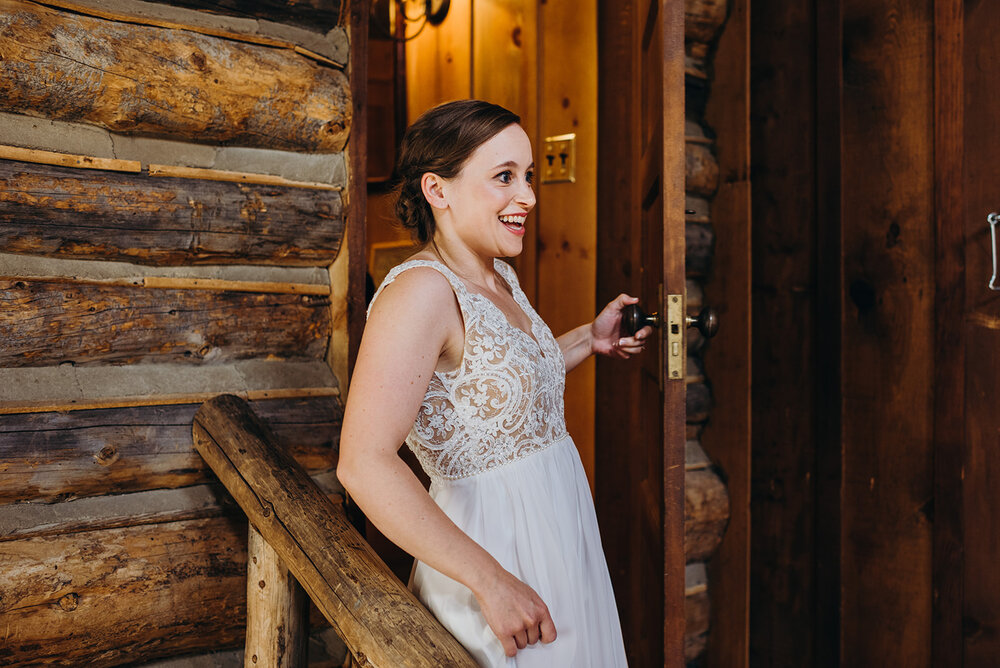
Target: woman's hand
{"points": [[515, 613], [606, 335]]}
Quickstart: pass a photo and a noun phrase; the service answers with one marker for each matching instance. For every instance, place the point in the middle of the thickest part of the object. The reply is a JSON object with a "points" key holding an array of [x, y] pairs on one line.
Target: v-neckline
{"points": [[517, 303], [513, 293]]}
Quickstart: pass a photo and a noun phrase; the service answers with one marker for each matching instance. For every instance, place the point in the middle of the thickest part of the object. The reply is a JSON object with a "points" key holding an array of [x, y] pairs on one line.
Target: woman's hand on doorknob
{"points": [[606, 335]]}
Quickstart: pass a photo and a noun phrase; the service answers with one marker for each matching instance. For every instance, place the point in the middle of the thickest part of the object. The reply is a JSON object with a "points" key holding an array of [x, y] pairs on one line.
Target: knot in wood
{"points": [[69, 602], [107, 456]]}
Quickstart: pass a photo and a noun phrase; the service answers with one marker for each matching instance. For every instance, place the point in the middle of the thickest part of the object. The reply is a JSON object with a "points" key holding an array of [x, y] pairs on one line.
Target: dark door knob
{"points": [[706, 321], [634, 319]]}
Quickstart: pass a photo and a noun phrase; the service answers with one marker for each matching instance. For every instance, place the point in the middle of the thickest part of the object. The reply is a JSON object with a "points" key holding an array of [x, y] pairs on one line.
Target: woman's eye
{"points": [[505, 176], [529, 176]]}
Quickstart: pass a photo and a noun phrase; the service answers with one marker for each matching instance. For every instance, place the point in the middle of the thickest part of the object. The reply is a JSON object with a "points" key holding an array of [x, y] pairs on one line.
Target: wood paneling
{"points": [[47, 210], [728, 435], [103, 598], [980, 615], [439, 62], [887, 228], [566, 243], [52, 456], [155, 81], [782, 81], [47, 323], [949, 335]]}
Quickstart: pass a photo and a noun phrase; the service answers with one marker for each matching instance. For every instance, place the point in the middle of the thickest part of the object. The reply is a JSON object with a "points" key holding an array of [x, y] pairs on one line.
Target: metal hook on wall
{"points": [[993, 219]]}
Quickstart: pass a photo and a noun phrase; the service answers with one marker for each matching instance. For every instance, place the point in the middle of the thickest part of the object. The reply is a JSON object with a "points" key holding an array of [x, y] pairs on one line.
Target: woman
{"points": [[455, 361]]}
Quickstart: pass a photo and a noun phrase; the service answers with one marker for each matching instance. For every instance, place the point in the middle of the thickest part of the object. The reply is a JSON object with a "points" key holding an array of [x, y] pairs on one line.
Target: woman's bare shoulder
{"points": [[418, 294]]}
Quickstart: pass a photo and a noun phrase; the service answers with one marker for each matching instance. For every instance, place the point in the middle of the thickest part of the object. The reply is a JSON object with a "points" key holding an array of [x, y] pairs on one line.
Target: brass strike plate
{"points": [[675, 338], [559, 159]]}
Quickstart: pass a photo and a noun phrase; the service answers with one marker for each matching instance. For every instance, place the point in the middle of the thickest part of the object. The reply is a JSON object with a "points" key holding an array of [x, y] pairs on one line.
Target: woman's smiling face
{"points": [[491, 196]]}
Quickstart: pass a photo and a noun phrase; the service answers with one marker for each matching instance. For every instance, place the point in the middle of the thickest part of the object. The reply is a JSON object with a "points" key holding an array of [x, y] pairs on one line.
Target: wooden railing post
{"points": [[380, 620], [277, 610]]}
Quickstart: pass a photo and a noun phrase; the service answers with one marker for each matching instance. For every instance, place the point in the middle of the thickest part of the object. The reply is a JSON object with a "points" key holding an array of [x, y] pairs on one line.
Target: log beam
{"points": [[277, 610], [168, 220], [378, 618], [89, 453], [155, 81], [49, 323]]}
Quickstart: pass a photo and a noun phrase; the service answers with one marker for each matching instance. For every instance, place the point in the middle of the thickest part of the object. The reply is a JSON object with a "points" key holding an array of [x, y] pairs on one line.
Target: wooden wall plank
{"points": [[132, 594], [980, 465], [53, 456], [949, 335], [783, 241], [154, 81], [887, 349], [47, 210], [49, 323], [564, 255]]}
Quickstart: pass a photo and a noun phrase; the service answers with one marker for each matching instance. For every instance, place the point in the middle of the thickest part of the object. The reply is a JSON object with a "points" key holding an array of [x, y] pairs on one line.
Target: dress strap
{"points": [[461, 292]]}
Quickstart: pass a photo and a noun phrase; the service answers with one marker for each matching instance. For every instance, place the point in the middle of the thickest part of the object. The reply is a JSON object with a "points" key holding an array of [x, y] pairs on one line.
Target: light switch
{"points": [[559, 159]]}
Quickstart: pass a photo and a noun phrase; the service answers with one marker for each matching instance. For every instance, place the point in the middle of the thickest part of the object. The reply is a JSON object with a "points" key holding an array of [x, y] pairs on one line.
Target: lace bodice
{"points": [[505, 399]]}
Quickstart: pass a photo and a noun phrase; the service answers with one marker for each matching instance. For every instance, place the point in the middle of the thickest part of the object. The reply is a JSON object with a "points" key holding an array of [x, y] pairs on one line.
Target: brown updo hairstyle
{"points": [[440, 141]]}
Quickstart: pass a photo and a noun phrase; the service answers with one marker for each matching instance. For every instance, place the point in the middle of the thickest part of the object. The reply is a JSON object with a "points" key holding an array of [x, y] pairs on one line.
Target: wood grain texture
{"points": [[950, 368], [43, 323], [277, 610], [888, 350], [115, 596], [57, 456], [669, 87], [728, 357], [566, 220], [356, 310], [154, 81], [783, 308], [980, 465], [315, 14], [47, 210], [378, 618]]}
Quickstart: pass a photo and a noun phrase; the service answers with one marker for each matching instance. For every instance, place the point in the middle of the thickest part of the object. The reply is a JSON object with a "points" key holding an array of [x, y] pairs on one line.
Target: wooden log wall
{"points": [[140, 275], [706, 501]]}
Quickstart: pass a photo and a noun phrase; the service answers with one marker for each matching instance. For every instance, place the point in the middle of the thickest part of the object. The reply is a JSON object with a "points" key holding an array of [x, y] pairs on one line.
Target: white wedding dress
{"points": [[492, 437]]}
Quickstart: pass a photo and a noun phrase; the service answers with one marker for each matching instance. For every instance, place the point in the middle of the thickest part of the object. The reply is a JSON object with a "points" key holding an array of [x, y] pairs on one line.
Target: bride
{"points": [[455, 361]]}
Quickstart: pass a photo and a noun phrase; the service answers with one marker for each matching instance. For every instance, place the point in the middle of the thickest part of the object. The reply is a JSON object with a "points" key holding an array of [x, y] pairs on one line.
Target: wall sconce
{"points": [[393, 19]]}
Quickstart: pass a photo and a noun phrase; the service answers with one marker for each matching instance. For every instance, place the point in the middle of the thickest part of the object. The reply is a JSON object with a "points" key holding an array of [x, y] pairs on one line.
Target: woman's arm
{"points": [[602, 336], [414, 324]]}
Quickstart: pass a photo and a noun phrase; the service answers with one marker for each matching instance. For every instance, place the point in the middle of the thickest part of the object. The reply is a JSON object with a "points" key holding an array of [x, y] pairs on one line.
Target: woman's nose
{"points": [[526, 195]]}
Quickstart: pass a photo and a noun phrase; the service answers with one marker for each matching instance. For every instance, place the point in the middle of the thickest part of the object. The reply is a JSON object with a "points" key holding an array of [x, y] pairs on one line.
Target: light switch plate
{"points": [[559, 159]]}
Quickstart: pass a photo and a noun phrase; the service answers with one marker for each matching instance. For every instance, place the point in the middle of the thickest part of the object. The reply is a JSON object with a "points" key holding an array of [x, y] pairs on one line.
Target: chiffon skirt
{"points": [[536, 517]]}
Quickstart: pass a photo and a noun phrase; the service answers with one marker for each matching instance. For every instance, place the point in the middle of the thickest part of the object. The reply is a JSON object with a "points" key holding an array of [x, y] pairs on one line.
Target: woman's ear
{"points": [[432, 186]]}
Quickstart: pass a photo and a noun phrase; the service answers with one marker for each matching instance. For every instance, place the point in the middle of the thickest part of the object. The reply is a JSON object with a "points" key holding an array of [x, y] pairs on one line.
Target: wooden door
{"points": [[967, 378], [640, 425]]}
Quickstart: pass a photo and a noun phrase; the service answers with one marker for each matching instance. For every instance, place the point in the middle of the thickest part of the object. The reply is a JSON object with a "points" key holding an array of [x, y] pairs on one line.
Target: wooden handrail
{"points": [[382, 622]]}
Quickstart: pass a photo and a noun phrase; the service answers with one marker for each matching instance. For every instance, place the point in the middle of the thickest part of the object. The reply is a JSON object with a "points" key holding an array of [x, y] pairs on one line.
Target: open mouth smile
{"points": [[514, 223]]}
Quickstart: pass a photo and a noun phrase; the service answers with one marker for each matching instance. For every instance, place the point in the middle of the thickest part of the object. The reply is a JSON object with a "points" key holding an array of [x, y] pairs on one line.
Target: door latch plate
{"points": [[675, 338]]}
